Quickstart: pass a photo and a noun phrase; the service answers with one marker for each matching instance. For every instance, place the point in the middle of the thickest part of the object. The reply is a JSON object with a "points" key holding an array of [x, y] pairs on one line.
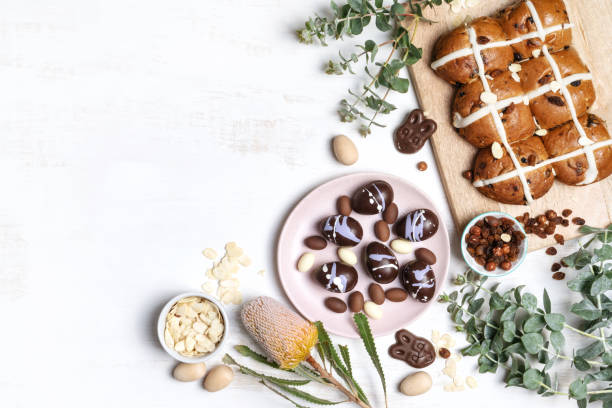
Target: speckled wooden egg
{"points": [[417, 225], [381, 262], [337, 277], [342, 230], [419, 280], [373, 198]]}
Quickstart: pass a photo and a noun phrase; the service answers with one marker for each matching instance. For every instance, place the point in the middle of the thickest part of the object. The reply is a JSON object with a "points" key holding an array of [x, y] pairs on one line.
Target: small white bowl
{"points": [[479, 268], [161, 327]]}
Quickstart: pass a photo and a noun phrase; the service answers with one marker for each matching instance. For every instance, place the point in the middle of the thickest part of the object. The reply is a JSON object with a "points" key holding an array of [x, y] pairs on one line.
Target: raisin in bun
{"points": [[517, 21], [464, 69], [482, 132], [529, 152], [551, 109], [576, 170]]}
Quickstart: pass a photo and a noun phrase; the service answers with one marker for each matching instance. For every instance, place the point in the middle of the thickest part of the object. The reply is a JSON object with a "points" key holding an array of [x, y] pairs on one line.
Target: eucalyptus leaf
{"points": [[509, 329], [578, 389], [534, 324], [581, 364], [509, 313], [532, 379], [557, 340], [586, 309], [532, 342], [529, 302], [546, 302], [554, 321]]}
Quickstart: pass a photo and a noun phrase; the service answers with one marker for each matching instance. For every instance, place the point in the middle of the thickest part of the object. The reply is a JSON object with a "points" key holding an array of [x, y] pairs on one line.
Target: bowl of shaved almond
{"points": [[192, 327]]}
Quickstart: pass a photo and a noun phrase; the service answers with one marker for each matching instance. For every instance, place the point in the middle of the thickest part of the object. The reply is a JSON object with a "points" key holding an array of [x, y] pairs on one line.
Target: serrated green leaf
{"points": [[534, 324], [227, 359], [248, 352], [363, 327], [532, 342], [344, 352], [554, 321], [306, 396], [532, 379]]}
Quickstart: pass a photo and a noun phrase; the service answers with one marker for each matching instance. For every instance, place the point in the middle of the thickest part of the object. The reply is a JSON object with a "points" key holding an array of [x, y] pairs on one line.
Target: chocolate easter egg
{"points": [[337, 277], [373, 198], [417, 225], [342, 230], [381, 262], [419, 280]]}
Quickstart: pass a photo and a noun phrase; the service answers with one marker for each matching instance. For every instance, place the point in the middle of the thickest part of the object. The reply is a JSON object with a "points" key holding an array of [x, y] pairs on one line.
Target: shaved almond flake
{"points": [[496, 150]]}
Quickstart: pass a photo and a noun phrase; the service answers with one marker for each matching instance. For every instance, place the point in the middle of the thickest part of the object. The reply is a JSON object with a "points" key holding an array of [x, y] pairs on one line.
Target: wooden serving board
{"points": [[454, 155]]}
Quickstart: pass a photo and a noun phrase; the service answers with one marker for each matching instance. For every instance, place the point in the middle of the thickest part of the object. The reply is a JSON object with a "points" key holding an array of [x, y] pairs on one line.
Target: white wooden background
{"points": [[135, 133]]}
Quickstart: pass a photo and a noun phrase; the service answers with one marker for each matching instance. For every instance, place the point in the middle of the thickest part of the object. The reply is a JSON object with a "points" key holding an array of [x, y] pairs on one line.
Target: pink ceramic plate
{"points": [[307, 295]]}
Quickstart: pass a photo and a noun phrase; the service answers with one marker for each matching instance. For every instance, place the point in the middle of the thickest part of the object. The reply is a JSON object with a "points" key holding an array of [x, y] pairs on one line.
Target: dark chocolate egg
{"points": [[381, 262], [373, 198], [417, 225], [419, 280], [337, 277], [342, 230]]}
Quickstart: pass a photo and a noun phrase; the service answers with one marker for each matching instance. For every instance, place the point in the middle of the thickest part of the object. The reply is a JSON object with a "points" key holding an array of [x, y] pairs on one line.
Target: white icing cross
{"points": [[495, 114]]}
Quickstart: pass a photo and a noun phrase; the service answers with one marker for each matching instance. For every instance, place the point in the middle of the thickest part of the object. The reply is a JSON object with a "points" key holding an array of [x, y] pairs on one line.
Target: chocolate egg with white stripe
{"points": [[381, 262], [417, 225], [342, 230], [419, 280], [337, 277], [372, 198]]}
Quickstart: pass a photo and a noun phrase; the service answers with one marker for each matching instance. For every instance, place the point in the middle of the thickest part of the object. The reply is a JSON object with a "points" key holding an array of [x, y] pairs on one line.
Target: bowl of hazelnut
{"points": [[494, 244]]}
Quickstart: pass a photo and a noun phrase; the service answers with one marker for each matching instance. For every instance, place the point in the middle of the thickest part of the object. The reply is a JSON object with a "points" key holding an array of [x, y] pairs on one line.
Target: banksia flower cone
{"points": [[286, 337]]}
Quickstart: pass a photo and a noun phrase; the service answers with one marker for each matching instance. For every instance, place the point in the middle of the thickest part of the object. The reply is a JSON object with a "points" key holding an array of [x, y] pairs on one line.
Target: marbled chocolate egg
{"points": [[417, 225], [337, 277], [419, 280], [373, 198], [381, 262], [342, 230]]}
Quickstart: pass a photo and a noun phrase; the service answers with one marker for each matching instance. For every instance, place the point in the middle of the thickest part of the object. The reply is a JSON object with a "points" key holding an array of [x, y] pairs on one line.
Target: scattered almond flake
{"points": [[435, 336], [488, 97], [541, 132], [229, 283], [514, 68], [536, 53], [496, 150], [459, 382], [489, 77], [208, 286], [516, 77], [471, 382], [210, 253], [233, 250], [245, 261], [555, 86], [505, 237]]}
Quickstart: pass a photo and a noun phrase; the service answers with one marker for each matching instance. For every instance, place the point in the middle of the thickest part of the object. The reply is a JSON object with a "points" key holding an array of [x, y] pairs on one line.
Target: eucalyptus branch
{"points": [[500, 333], [350, 19]]}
